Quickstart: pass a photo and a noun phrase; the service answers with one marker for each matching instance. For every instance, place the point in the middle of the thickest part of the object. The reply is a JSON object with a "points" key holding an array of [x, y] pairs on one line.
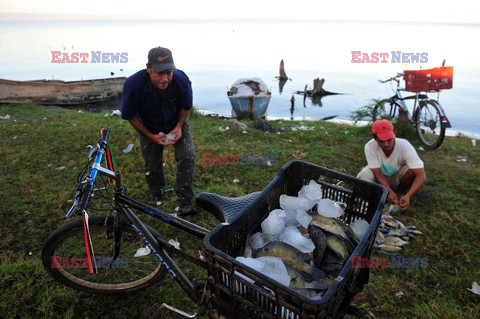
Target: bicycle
{"points": [[427, 117], [118, 254]]}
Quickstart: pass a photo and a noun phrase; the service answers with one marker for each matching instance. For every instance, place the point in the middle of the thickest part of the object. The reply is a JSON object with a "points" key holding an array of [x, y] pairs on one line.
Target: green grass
{"points": [[43, 148]]}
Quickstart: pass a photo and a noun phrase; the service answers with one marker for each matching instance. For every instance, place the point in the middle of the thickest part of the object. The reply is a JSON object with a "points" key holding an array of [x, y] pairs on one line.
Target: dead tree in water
{"points": [[283, 76], [317, 91]]}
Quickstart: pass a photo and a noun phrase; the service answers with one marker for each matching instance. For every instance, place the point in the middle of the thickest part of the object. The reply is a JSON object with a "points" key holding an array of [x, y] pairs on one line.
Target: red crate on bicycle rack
{"points": [[430, 80], [241, 292]]}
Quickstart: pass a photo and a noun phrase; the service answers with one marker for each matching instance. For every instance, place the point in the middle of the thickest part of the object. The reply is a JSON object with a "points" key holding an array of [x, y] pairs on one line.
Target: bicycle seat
{"points": [[225, 209]]}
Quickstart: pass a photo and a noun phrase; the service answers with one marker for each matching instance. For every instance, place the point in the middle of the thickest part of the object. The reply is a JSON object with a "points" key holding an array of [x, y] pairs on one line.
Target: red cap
{"points": [[383, 129]]}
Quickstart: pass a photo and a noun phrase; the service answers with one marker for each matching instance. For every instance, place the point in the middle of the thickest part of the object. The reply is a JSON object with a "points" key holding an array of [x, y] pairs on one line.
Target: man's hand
{"points": [[392, 197], [177, 131], [404, 202], [159, 139]]}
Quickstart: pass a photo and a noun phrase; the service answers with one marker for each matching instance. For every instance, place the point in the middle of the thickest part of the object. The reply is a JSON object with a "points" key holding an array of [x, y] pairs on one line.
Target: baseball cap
{"points": [[160, 59], [383, 129]]}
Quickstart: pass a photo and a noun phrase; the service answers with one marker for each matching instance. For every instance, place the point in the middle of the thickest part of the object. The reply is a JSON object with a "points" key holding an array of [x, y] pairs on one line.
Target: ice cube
{"points": [[252, 263], [329, 208], [274, 224], [360, 228], [293, 237], [291, 219], [259, 240], [303, 218], [312, 191], [275, 269], [292, 203]]}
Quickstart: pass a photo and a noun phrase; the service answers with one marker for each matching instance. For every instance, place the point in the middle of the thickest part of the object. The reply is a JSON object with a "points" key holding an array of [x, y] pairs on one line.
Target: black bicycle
{"points": [[427, 116], [118, 253]]}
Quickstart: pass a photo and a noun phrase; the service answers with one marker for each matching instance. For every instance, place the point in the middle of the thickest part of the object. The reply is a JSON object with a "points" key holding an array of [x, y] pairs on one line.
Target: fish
{"points": [[292, 257], [394, 241], [349, 231], [415, 232], [380, 237], [310, 293], [320, 241], [391, 223], [388, 248], [331, 264], [248, 248], [329, 225], [400, 232], [338, 246], [301, 280]]}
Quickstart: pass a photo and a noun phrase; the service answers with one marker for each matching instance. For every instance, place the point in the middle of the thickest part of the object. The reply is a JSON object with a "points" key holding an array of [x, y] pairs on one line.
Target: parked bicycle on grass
{"points": [[427, 116]]}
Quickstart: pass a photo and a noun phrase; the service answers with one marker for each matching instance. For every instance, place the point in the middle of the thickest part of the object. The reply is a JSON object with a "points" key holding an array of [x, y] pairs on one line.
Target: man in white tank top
{"points": [[393, 163]]}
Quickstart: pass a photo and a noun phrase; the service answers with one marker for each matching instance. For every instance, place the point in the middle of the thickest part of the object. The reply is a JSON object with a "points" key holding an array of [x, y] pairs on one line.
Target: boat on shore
{"points": [[56, 92], [249, 98]]}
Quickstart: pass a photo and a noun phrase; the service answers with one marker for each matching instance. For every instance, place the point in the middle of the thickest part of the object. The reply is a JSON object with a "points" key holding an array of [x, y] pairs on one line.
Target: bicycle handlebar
{"points": [[85, 188], [393, 78]]}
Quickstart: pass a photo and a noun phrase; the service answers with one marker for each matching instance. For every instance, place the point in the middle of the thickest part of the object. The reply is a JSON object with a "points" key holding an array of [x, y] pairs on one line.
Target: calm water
{"points": [[216, 53]]}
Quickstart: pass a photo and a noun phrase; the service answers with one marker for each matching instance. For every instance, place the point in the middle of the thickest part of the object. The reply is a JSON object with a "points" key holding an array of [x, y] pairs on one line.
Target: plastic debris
{"points": [[400, 294], [5, 117], [143, 251], [60, 168], [474, 142], [175, 243], [116, 112], [128, 149], [236, 181], [475, 288], [302, 128]]}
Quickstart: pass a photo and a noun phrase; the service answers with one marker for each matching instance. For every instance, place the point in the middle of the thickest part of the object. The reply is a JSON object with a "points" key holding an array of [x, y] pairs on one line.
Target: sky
{"points": [[458, 11]]}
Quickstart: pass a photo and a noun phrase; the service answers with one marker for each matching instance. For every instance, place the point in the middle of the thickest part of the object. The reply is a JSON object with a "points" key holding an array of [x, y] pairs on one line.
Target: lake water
{"points": [[216, 53]]}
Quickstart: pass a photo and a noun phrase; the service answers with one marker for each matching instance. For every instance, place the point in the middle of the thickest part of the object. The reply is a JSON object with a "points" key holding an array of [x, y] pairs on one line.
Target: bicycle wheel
{"points": [[428, 124], [64, 257], [385, 109]]}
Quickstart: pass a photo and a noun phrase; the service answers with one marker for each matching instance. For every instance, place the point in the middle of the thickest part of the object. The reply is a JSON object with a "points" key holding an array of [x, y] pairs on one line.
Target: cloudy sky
{"points": [[458, 11]]}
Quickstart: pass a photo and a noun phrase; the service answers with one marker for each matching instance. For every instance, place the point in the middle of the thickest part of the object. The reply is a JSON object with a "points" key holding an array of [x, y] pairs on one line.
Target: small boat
{"points": [[56, 92], [249, 98]]}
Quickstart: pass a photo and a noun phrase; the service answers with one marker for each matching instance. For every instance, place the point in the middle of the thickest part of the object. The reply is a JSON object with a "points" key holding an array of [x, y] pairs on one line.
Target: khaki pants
{"points": [[394, 180]]}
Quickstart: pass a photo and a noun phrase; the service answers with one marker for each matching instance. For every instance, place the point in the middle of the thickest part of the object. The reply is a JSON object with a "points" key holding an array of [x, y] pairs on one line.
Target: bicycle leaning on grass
{"points": [[427, 117], [118, 253]]}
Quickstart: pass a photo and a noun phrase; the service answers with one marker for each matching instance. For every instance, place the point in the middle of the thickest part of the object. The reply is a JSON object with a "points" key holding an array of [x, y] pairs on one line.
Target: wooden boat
{"points": [[251, 103], [252, 106], [58, 92]]}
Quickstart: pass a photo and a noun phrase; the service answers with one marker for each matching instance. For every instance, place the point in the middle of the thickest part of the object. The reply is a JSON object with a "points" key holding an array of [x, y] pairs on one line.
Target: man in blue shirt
{"points": [[156, 102]]}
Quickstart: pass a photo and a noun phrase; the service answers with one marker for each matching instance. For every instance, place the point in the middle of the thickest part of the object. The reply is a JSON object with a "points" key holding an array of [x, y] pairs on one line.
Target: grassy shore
{"points": [[42, 149]]}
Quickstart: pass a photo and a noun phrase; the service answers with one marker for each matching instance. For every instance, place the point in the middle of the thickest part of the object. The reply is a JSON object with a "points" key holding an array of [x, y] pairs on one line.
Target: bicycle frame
{"points": [[124, 206]]}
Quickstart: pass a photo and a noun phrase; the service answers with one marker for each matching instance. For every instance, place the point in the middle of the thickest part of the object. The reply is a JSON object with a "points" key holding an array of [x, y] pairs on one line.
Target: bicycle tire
{"points": [[428, 124], [67, 242], [385, 109]]}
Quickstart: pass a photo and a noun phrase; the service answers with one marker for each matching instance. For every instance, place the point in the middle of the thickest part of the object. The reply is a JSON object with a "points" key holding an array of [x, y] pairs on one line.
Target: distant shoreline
{"points": [[449, 132]]}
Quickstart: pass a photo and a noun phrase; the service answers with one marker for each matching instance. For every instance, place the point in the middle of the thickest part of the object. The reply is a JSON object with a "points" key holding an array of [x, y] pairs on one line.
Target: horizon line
{"points": [[57, 17]]}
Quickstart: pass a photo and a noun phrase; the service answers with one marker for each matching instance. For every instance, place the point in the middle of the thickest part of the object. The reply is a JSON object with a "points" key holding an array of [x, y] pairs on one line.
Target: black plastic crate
{"points": [[265, 298]]}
